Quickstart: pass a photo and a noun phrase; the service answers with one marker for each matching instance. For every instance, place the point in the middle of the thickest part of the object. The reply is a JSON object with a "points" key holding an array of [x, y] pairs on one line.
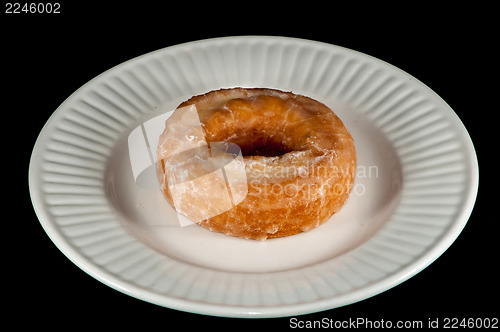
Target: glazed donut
{"points": [[255, 163]]}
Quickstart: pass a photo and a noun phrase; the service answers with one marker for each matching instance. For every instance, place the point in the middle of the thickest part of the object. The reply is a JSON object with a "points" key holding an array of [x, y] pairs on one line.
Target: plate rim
{"points": [[434, 252]]}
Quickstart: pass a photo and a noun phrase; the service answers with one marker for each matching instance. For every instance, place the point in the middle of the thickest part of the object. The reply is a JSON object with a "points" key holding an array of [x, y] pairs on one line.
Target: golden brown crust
{"points": [[299, 160]]}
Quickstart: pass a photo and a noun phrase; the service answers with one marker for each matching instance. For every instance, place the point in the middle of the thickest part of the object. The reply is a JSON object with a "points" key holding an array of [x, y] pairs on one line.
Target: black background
{"points": [[45, 58]]}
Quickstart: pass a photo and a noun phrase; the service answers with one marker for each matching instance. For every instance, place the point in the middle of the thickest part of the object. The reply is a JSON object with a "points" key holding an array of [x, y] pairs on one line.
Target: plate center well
{"points": [[143, 210]]}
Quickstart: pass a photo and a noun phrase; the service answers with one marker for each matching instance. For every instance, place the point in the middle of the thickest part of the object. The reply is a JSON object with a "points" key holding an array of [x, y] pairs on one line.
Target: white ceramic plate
{"points": [[416, 182]]}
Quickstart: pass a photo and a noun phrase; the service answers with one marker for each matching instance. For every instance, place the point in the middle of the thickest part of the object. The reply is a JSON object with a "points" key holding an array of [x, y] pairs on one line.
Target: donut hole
{"points": [[254, 143], [264, 148]]}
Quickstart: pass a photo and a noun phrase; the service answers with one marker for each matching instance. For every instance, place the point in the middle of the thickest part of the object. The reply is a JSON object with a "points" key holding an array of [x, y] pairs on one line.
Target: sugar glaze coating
{"points": [[298, 158]]}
